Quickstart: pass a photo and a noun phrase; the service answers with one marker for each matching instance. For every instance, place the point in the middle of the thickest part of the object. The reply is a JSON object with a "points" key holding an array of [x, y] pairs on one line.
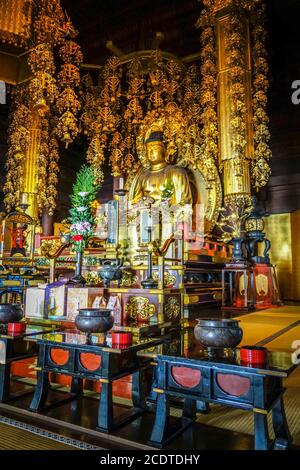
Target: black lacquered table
{"points": [[15, 347], [69, 353], [184, 370]]}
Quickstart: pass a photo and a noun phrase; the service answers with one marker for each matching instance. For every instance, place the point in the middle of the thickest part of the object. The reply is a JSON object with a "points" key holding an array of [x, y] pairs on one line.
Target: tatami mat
{"points": [[12, 438], [284, 341], [16, 435], [260, 325], [257, 327], [242, 421]]}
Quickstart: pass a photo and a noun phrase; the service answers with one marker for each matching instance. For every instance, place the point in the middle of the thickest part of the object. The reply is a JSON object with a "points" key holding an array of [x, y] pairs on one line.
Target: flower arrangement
{"points": [[82, 213]]}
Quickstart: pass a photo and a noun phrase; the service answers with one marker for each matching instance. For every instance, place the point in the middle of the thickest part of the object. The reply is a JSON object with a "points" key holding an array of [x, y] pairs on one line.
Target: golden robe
{"points": [[155, 180]]}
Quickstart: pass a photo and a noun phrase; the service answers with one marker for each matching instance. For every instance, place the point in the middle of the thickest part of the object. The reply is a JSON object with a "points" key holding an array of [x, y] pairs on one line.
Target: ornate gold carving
{"points": [[15, 21], [169, 279], [139, 307], [52, 248], [92, 278], [244, 138], [128, 279], [262, 153], [216, 4], [252, 224], [242, 280], [232, 219], [172, 308], [155, 93], [261, 284], [260, 173]]}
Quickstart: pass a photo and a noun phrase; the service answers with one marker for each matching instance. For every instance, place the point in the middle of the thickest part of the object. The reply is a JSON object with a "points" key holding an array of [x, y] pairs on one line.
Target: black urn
{"points": [[111, 271], [94, 320], [221, 333], [10, 313]]}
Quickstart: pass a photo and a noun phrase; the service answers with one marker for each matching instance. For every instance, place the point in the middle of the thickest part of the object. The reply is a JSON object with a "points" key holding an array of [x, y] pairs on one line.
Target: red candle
{"points": [[254, 355], [121, 338]]}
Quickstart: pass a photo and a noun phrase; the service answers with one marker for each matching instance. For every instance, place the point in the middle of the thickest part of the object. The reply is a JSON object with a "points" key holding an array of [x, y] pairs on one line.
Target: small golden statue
{"points": [[162, 180]]}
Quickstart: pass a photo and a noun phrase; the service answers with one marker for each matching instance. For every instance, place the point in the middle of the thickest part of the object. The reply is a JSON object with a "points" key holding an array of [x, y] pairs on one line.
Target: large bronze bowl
{"points": [[10, 313], [222, 333], [94, 320]]}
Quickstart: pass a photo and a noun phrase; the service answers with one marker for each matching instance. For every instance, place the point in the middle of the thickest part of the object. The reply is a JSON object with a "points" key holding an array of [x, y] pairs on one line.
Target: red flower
{"points": [[77, 238]]}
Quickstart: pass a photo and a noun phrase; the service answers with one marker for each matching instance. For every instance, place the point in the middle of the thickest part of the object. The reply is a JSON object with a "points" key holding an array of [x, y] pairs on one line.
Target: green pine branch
{"points": [[84, 193]]}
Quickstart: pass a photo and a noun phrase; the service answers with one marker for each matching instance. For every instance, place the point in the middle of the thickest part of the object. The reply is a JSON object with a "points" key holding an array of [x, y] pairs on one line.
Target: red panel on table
{"points": [[59, 356], [61, 379], [235, 385], [24, 368], [90, 361], [121, 387], [186, 376]]}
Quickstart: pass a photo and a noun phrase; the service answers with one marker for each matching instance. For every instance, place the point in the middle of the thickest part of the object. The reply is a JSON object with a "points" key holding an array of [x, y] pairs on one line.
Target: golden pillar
{"points": [[235, 114], [29, 194], [15, 30]]}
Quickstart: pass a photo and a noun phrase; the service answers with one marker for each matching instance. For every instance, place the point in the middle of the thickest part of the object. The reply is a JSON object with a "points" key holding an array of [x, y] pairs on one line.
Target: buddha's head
{"points": [[155, 149]]}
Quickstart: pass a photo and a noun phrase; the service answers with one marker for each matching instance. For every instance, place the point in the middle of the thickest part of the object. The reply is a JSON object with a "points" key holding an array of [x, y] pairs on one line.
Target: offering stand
{"points": [[67, 353], [199, 380], [15, 347]]}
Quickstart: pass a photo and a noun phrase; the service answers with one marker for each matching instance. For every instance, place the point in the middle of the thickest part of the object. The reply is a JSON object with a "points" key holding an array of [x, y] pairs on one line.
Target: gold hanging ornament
{"points": [[132, 95], [53, 97]]}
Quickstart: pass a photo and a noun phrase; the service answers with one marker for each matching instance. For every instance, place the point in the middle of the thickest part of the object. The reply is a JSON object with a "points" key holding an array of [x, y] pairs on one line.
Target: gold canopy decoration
{"points": [[44, 110], [150, 91], [130, 96]]}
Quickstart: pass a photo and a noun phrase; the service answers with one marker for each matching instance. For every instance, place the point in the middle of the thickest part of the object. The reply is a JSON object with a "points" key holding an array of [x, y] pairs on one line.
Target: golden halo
{"points": [[173, 124]]}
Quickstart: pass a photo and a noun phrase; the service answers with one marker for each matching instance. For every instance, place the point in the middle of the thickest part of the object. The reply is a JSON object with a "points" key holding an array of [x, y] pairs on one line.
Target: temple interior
{"points": [[149, 211]]}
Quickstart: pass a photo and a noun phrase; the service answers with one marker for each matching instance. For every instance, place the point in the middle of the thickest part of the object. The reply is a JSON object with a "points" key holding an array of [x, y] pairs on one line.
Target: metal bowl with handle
{"points": [[10, 313], [221, 333], [94, 320]]}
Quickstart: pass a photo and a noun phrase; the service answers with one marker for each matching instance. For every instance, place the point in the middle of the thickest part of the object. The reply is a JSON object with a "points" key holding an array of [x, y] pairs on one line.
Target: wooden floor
{"points": [[77, 419]]}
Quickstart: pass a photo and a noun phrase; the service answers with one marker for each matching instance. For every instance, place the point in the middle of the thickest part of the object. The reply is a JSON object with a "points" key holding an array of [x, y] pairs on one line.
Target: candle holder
{"points": [[149, 282], [121, 192], [23, 206], [78, 279]]}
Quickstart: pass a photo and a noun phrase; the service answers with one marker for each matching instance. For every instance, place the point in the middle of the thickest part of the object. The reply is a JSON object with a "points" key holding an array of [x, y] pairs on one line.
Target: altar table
{"points": [[190, 374], [69, 353], [15, 347]]}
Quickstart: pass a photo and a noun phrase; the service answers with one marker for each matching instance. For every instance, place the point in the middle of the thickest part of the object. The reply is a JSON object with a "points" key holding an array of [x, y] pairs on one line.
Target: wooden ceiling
{"points": [[132, 25]]}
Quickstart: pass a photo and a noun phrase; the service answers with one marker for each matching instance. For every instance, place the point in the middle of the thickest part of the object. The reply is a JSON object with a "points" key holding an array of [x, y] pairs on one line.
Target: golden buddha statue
{"points": [[161, 176]]}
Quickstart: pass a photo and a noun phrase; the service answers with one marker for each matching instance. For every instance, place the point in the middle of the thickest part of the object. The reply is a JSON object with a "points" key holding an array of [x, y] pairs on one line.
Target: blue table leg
{"points": [[4, 381], [261, 433], [153, 395], [105, 411], [202, 407], [138, 390], [41, 391], [77, 386], [189, 409], [280, 425], [162, 413]]}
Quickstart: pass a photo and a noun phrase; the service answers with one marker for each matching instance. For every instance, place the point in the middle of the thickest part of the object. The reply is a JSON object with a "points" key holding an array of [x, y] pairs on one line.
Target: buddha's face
{"points": [[155, 152]]}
